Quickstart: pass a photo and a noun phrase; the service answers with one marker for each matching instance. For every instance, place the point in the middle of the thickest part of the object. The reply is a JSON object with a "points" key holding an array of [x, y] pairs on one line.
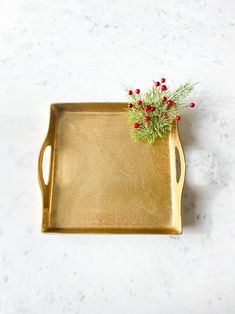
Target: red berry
{"points": [[147, 118], [192, 105], [152, 108], [136, 125], [137, 91], [177, 118], [164, 98], [169, 103], [147, 108], [130, 105], [157, 83], [163, 87], [130, 92], [139, 101], [163, 80]]}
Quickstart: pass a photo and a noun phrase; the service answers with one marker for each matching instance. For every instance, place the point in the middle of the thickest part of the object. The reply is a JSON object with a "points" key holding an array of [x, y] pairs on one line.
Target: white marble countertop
{"points": [[69, 50]]}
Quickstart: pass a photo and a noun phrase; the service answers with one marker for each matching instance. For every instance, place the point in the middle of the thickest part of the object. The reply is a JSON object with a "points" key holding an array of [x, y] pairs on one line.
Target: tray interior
{"points": [[103, 182]]}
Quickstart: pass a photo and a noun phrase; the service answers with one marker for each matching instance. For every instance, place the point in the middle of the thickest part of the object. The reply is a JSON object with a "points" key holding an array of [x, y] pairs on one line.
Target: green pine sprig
{"points": [[160, 107]]}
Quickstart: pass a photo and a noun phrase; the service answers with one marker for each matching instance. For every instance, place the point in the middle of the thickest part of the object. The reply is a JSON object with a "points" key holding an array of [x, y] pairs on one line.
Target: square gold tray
{"points": [[102, 182]]}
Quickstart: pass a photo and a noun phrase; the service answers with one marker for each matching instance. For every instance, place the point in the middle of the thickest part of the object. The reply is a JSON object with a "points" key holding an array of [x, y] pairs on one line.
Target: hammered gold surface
{"points": [[100, 181]]}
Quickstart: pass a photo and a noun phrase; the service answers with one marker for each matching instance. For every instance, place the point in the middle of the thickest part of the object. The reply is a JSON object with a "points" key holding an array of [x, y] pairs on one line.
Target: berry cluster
{"points": [[155, 110]]}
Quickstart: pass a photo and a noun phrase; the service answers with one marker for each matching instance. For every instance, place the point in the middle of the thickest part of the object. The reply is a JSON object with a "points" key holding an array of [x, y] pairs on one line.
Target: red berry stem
{"points": [[148, 111]]}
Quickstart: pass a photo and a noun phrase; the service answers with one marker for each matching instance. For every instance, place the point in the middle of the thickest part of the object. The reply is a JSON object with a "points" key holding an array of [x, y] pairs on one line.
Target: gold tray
{"points": [[102, 182]]}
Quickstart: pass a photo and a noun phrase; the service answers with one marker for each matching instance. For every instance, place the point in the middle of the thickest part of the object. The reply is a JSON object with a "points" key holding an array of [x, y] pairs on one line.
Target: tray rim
{"points": [[46, 189]]}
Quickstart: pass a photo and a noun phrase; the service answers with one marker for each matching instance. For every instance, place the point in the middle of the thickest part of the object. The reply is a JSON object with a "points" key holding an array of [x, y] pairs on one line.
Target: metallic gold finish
{"points": [[102, 182]]}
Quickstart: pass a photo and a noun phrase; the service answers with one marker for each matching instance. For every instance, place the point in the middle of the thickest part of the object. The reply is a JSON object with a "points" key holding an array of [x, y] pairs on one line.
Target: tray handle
{"points": [[178, 147], [43, 185]]}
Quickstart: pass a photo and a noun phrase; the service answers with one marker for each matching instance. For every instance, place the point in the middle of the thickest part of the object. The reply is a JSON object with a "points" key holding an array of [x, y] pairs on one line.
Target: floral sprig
{"points": [[152, 113]]}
